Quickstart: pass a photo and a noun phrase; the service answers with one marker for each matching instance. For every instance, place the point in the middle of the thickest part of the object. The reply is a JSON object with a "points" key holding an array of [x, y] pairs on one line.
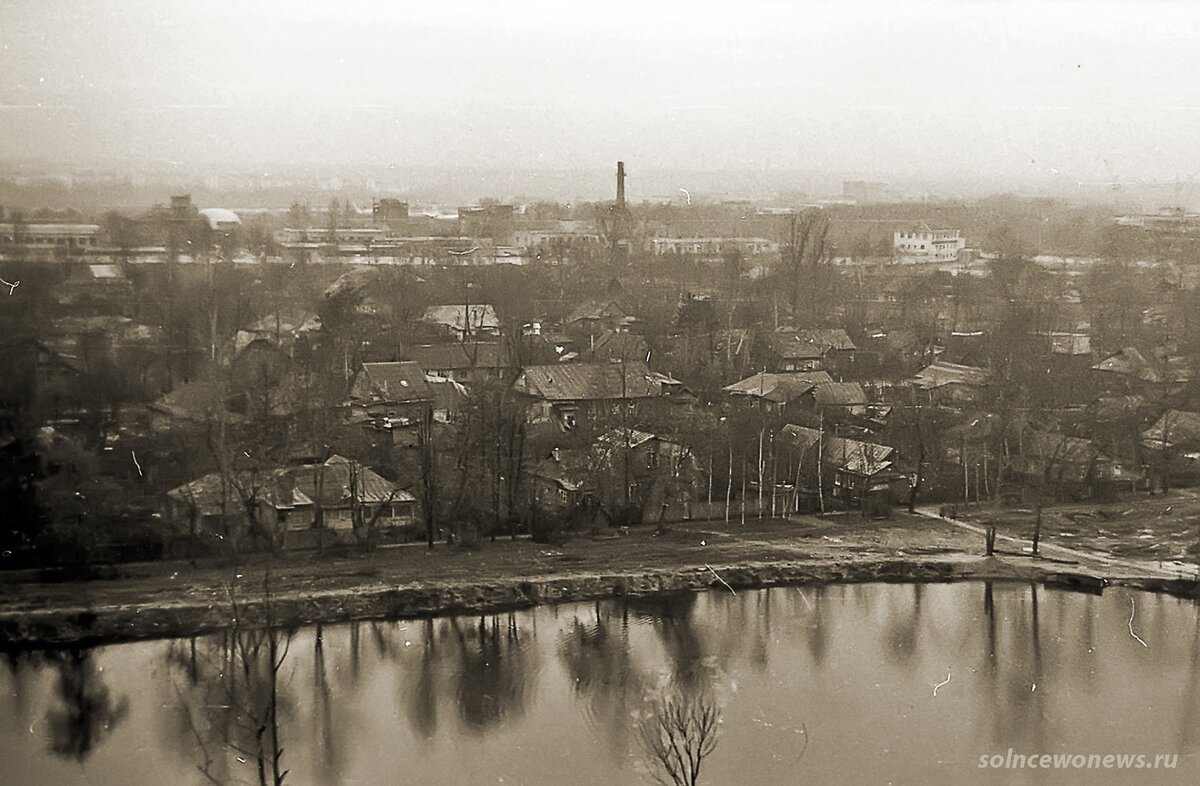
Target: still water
{"points": [[869, 683]]}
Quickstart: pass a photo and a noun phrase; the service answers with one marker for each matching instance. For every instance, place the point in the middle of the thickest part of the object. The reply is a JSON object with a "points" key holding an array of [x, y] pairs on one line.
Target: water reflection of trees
{"points": [[901, 632], [1017, 680], [600, 664], [231, 706], [87, 711], [493, 674]]}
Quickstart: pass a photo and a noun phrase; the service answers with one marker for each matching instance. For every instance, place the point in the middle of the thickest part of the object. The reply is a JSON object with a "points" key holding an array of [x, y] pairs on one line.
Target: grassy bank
{"points": [[177, 598]]}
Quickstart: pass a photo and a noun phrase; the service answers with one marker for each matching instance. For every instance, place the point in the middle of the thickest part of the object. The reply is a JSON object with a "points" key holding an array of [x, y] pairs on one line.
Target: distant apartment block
{"points": [[71, 237], [291, 236], [922, 243], [1166, 221], [712, 246]]}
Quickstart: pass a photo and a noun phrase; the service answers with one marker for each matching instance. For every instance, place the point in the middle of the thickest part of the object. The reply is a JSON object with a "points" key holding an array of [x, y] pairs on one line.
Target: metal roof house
{"points": [[560, 392]]}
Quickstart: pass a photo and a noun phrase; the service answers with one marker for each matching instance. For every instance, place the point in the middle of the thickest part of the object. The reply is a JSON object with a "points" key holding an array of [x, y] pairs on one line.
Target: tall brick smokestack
{"points": [[620, 184]]}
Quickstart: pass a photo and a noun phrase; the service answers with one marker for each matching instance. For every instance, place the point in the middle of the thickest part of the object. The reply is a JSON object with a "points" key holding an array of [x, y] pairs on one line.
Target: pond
{"points": [[866, 683]]}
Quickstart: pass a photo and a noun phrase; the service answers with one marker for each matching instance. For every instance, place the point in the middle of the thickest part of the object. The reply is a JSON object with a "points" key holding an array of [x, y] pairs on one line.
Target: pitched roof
{"points": [[592, 381], [612, 345], [1129, 362], [195, 400], [840, 394], [810, 344], [852, 455], [941, 373], [597, 309], [863, 458], [571, 468], [1175, 427], [463, 317], [330, 484], [401, 381], [778, 388], [454, 355], [207, 493], [801, 437], [619, 438]]}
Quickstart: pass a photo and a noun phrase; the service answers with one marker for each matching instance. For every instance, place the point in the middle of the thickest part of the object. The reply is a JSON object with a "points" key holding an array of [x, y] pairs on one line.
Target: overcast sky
{"points": [[1088, 89]]}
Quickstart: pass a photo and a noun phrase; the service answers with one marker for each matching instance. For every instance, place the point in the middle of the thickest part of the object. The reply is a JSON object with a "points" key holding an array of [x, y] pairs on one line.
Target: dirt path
{"points": [[1132, 567], [180, 598]]}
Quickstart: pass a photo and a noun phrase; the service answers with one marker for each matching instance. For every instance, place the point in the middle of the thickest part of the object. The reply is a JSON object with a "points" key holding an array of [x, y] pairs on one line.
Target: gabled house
{"points": [[1175, 430], [1067, 466], [565, 393], [564, 480], [611, 346], [303, 506], [808, 350], [775, 392], [851, 471], [1172, 446], [237, 506], [949, 383], [389, 395], [623, 468], [346, 494], [459, 361], [1127, 370], [839, 396]]}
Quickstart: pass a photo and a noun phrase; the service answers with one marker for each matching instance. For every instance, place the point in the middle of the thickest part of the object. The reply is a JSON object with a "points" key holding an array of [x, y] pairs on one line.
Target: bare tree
{"points": [[804, 251], [678, 734]]}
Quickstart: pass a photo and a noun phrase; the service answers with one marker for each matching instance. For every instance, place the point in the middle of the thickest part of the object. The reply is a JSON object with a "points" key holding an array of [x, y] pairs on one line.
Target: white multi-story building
{"points": [[925, 244]]}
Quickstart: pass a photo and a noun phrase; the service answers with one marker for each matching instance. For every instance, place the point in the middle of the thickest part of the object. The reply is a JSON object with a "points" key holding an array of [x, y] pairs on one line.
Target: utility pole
{"points": [[821, 458]]}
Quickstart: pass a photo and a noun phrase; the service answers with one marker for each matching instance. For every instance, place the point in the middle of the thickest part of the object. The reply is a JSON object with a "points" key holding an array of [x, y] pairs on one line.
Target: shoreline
{"points": [[97, 624]]}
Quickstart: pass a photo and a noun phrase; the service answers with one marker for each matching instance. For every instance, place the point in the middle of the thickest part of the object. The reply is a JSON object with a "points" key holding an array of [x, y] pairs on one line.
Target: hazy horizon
{"points": [[947, 91]]}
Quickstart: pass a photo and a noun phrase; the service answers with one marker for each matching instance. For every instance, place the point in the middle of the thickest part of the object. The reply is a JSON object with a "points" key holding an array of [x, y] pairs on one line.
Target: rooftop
{"points": [[593, 381], [941, 373], [399, 382], [778, 388]]}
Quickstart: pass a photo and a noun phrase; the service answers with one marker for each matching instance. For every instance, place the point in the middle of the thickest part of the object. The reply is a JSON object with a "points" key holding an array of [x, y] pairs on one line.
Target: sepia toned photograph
{"points": [[543, 393]]}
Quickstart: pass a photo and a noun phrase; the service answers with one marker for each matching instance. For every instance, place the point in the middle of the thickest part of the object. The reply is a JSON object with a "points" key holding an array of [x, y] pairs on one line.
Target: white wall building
{"points": [[712, 246], [925, 244]]}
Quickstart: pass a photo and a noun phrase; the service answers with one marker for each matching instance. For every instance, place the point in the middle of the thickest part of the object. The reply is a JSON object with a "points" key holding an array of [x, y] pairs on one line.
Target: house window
{"points": [[652, 460]]}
